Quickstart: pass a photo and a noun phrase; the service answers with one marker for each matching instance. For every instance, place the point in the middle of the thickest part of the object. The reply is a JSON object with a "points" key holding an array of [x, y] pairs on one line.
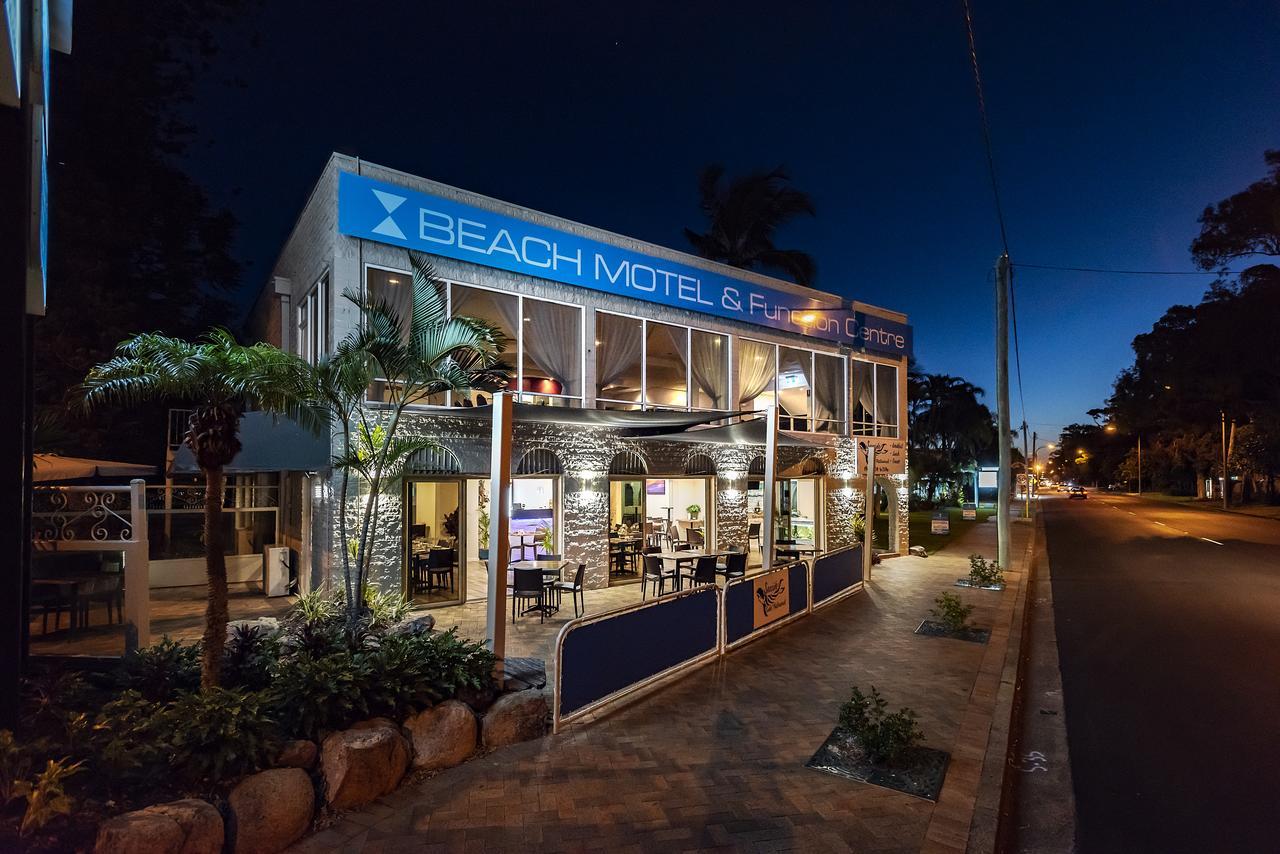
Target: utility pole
{"points": [[1225, 497], [1139, 464], [1035, 454], [1003, 272]]}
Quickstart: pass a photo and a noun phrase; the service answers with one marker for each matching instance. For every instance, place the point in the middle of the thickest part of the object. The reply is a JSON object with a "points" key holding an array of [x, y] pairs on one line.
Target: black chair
{"points": [[440, 566], [753, 535], [681, 547], [106, 589], [695, 538], [617, 559], [704, 571], [735, 565], [656, 573], [575, 589], [528, 587]]}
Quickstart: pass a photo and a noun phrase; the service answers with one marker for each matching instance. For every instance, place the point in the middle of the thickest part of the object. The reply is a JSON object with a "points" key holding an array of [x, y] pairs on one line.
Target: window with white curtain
{"points": [[795, 388], [644, 363], [828, 393], [757, 366], [875, 399]]}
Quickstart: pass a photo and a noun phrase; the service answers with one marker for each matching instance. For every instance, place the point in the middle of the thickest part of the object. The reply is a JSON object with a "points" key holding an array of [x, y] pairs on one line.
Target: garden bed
{"points": [[919, 772], [938, 629], [964, 582]]}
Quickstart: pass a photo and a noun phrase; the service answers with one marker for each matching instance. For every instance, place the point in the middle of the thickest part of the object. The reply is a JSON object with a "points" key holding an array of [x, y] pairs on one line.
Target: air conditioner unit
{"points": [[277, 571]]}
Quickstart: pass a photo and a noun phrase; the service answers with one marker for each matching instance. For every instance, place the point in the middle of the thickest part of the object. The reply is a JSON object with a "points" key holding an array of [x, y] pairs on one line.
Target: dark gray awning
{"points": [[745, 433], [267, 443], [631, 423]]}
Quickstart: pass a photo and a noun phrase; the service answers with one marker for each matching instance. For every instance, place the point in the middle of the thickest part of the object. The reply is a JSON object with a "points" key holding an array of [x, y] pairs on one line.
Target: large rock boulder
{"points": [[363, 763], [442, 736], [188, 826], [298, 754], [270, 810], [515, 717], [417, 625]]}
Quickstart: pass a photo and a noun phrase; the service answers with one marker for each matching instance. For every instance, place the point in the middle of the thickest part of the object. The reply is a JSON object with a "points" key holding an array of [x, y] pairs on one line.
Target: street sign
{"points": [[941, 523], [969, 511]]}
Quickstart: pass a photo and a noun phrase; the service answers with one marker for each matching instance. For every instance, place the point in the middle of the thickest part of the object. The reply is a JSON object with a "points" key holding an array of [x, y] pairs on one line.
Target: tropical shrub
{"points": [[883, 734], [250, 654], [217, 733], [983, 573], [316, 693], [46, 795], [158, 672], [952, 611]]}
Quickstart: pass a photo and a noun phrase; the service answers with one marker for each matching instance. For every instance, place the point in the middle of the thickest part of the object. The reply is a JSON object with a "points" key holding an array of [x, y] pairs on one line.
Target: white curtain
{"points": [[864, 401], [887, 398], [828, 388], [802, 360], [755, 370], [618, 351], [709, 367], [552, 339]]}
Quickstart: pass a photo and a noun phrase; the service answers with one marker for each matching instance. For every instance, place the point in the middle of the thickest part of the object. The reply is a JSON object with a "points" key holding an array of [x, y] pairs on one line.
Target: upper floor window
{"points": [[312, 323], [646, 364], [875, 399], [757, 368]]}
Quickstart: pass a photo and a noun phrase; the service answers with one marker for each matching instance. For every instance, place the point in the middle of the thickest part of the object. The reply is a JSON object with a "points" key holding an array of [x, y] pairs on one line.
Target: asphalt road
{"points": [[1168, 623]]}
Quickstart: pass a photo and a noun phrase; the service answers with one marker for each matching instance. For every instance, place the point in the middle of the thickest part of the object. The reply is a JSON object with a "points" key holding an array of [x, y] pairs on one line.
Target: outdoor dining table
{"points": [[551, 570], [687, 556]]}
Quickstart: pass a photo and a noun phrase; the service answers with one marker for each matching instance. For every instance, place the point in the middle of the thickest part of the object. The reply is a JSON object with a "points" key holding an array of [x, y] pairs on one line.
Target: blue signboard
{"points": [[387, 213]]}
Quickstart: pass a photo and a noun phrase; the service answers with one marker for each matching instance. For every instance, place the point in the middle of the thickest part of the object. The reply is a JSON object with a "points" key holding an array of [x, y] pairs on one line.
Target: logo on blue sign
{"points": [[376, 210]]}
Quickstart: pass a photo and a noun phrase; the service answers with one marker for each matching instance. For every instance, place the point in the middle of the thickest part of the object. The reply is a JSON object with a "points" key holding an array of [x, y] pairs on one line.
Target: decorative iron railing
{"points": [[82, 513]]}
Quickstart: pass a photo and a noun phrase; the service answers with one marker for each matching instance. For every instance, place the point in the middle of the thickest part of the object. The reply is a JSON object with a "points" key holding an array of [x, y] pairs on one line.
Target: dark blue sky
{"points": [[1114, 125]]}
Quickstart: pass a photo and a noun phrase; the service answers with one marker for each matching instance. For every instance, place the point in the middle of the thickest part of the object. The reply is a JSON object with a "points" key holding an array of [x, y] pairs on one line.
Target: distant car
{"points": [[1077, 492]]}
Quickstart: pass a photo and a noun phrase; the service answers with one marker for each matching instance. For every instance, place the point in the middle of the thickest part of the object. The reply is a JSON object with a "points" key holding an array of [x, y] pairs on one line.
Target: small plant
{"points": [[883, 734], [482, 522], [450, 524], [217, 733], [693, 510], [159, 672], [385, 608], [47, 797], [15, 764], [250, 653], [547, 537], [983, 573], [952, 611]]}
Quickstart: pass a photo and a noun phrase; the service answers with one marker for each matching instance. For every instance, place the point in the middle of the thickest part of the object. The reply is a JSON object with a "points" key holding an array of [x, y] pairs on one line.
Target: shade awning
{"points": [[630, 422], [267, 443], [55, 467], [745, 433]]}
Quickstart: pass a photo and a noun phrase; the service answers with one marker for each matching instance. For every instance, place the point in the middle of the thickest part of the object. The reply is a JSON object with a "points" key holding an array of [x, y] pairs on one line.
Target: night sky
{"points": [[1114, 125]]}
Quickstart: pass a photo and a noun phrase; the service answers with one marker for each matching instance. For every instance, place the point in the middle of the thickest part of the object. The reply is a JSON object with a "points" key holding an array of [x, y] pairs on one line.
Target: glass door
{"points": [[434, 523]]}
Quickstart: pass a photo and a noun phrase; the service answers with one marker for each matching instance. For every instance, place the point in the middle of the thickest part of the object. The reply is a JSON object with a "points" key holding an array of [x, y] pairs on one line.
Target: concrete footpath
{"points": [[715, 761]]}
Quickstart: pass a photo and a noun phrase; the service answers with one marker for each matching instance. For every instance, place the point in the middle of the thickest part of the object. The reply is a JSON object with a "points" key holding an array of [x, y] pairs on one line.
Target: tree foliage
{"points": [[135, 242], [1205, 364], [743, 218], [950, 432]]}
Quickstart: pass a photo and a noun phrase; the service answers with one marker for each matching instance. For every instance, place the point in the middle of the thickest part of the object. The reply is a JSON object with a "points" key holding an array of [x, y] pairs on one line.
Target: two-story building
{"points": [[632, 367]]}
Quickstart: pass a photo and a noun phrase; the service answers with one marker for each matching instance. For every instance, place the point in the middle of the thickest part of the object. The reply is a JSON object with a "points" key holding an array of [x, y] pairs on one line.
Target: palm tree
{"points": [[221, 379], [744, 217], [415, 358]]}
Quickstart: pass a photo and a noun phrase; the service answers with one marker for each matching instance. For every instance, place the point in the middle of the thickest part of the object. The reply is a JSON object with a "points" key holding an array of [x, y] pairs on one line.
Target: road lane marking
{"points": [[1215, 542], [1163, 525], [1131, 513]]}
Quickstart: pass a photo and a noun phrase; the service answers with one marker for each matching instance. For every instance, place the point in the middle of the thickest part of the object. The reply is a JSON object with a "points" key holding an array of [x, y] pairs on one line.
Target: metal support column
{"points": [[499, 531]]}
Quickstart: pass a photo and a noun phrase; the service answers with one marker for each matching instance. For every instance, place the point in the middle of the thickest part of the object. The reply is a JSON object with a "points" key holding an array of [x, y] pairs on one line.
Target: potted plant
{"points": [[693, 510], [547, 538], [482, 534]]}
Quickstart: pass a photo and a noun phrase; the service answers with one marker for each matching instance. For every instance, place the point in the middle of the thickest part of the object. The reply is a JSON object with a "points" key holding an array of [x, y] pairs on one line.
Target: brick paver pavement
{"points": [[716, 760]]}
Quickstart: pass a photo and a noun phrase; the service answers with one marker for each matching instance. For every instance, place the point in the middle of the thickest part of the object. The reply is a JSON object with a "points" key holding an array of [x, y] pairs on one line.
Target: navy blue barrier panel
{"points": [[598, 659], [836, 572], [740, 607]]}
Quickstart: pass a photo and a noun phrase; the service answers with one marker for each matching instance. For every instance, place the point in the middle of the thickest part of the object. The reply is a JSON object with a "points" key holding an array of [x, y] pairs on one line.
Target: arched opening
{"points": [[700, 465]]}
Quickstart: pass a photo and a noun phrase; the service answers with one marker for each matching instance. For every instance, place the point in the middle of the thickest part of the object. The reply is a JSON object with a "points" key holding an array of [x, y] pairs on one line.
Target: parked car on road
{"points": [[1077, 492]]}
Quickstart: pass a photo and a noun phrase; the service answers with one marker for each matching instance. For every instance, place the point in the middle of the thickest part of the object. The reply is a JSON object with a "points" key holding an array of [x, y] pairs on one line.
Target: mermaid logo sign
{"points": [[376, 210]]}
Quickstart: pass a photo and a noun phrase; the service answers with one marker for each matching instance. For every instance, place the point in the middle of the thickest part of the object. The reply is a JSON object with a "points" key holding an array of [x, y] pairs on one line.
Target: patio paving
{"points": [[716, 760]]}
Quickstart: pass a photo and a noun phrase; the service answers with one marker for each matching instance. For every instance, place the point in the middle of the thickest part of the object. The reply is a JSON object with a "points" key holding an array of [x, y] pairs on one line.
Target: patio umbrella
{"points": [[54, 467]]}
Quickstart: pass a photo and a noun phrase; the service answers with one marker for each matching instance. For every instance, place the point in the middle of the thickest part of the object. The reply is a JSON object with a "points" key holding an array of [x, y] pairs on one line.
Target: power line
{"points": [[995, 192], [1128, 272]]}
